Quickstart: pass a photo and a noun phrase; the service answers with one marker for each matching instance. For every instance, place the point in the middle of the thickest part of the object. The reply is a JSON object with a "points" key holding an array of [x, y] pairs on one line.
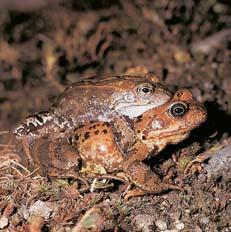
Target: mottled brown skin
{"points": [[50, 158], [101, 100], [108, 99], [99, 150], [112, 99], [98, 147]]}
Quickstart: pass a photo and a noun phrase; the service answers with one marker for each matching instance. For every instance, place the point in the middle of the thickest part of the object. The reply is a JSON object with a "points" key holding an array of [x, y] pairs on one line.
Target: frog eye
{"points": [[145, 89], [178, 110]]}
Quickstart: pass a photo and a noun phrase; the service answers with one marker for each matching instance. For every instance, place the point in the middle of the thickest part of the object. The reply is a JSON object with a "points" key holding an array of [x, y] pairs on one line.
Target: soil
{"points": [[45, 47]]}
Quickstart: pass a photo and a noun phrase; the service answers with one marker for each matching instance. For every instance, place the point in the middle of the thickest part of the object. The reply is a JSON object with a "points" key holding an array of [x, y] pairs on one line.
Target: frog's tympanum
{"points": [[102, 100], [98, 145]]}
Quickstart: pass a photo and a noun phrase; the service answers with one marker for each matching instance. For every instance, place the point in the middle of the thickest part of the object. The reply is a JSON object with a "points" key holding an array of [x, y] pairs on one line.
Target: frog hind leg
{"points": [[62, 159], [35, 126], [146, 180], [51, 158]]}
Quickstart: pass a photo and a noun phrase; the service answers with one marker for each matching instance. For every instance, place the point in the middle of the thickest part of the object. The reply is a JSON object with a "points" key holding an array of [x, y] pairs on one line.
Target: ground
{"points": [[43, 48]]}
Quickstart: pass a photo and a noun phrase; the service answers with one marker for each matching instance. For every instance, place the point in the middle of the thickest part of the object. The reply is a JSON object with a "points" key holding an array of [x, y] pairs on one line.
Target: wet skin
{"points": [[156, 128], [97, 145], [110, 99], [113, 99]]}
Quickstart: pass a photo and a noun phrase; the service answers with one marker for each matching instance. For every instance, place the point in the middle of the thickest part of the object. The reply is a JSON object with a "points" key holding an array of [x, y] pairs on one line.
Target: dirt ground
{"points": [[45, 47]]}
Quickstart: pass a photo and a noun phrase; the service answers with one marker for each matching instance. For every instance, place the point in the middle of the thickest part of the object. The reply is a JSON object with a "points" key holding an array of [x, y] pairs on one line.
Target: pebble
{"points": [[161, 225], [173, 230], [144, 222], [42, 209], [3, 222], [204, 220], [179, 225], [220, 164]]}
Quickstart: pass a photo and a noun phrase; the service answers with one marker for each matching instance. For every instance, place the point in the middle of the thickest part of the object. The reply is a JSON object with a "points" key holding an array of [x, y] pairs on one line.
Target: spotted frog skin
{"points": [[110, 99], [167, 124], [97, 144]]}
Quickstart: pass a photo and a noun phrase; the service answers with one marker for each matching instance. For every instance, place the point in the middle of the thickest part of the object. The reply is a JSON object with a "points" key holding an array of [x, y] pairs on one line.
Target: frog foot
{"points": [[139, 192], [146, 180], [196, 165], [133, 193]]}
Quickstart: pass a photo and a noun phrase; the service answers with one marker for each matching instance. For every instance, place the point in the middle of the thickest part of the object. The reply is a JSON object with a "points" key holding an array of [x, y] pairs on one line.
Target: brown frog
{"points": [[167, 124], [104, 100], [98, 147]]}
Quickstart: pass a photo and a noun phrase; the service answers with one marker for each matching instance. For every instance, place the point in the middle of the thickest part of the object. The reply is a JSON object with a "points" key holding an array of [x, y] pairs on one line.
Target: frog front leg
{"points": [[146, 180], [31, 129], [35, 126], [140, 175], [123, 131]]}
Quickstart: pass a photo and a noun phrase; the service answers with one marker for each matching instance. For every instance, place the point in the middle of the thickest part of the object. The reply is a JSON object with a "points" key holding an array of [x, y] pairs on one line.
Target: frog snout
{"points": [[197, 116]]}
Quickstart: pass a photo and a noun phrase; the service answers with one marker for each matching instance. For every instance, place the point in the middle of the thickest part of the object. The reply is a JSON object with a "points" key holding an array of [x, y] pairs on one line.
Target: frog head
{"points": [[171, 122], [135, 95]]}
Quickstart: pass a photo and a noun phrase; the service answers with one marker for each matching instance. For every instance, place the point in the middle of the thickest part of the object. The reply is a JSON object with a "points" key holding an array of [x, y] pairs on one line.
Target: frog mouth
{"points": [[169, 136], [133, 111], [173, 136], [161, 143]]}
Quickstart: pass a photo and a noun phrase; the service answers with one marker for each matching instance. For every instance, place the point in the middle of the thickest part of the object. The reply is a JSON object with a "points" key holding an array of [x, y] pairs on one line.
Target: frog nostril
{"points": [[196, 116]]}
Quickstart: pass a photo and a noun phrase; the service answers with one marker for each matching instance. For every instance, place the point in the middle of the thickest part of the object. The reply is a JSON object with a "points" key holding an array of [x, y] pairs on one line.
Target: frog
{"points": [[96, 149], [170, 123], [115, 98], [100, 99]]}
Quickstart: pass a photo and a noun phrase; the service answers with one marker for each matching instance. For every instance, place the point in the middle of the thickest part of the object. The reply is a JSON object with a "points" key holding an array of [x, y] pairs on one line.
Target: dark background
{"points": [[46, 45]]}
